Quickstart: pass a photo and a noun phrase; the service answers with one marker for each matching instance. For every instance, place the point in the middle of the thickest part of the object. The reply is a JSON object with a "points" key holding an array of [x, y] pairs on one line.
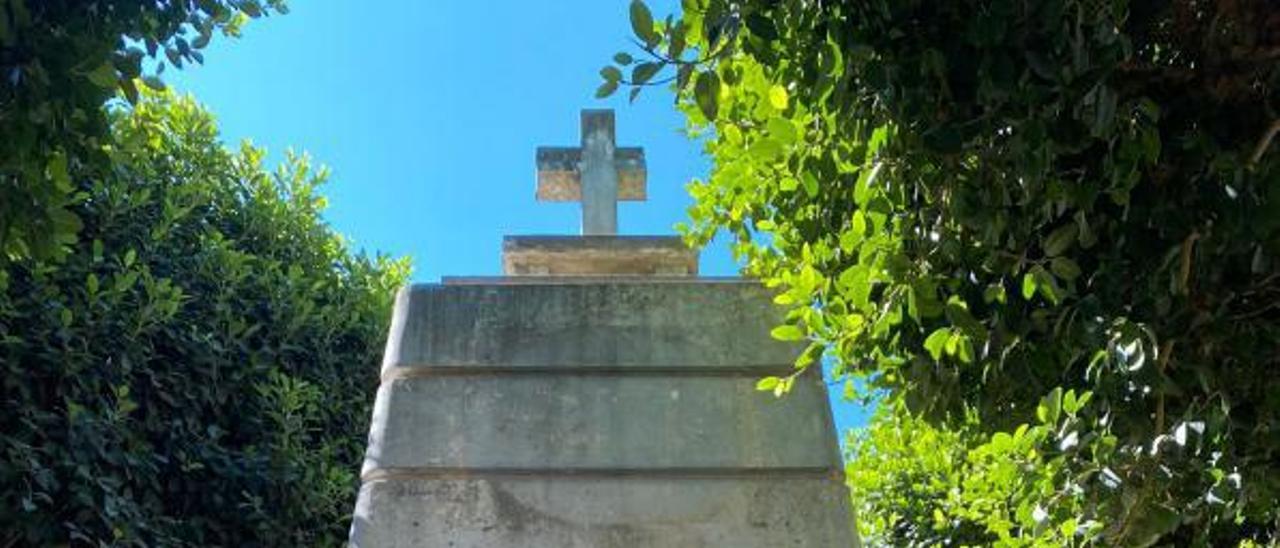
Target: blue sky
{"points": [[428, 115]]}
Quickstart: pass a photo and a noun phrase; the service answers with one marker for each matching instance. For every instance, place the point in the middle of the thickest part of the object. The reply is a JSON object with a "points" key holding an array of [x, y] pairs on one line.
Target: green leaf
{"points": [[1060, 239], [964, 349], [863, 189], [832, 59], [153, 82], [1028, 286], [1050, 408], [784, 131], [1046, 284], [606, 89], [1069, 403], [622, 58], [994, 293], [778, 97], [787, 333], [1064, 268], [859, 223], [677, 44], [611, 74], [642, 23], [810, 355], [706, 92], [57, 172], [643, 72], [682, 77], [202, 40], [936, 342], [767, 384], [810, 184], [104, 76]]}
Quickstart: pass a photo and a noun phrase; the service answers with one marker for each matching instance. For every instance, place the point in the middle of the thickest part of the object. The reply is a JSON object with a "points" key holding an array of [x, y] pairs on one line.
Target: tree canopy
{"points": [[1051, 225], [199, 369], [60, 61]]}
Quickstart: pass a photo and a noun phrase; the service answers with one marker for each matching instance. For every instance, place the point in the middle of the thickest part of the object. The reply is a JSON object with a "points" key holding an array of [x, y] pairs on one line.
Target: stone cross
{"points": [[598, 173]]}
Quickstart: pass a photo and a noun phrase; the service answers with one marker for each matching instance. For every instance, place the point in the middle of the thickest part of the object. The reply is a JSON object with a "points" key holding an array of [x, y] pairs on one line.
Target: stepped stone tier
{"points": [[596, 399]]}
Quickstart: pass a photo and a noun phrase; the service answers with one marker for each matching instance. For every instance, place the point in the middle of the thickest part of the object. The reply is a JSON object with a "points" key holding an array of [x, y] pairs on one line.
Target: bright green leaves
{"points": [[1050, 407], [1072, 404], [858, 226], [950, 342], [967, 216], [642, 23], [782, 131], [787, 333], [1039, 280], [973, 488], [778, 97], [936, 343], [767, 384], [778, 385], [1028, 286]]}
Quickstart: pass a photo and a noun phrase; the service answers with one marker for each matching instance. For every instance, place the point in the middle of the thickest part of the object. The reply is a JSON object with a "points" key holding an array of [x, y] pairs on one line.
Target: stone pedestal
{"points": [[596, 412], [598, 256]]}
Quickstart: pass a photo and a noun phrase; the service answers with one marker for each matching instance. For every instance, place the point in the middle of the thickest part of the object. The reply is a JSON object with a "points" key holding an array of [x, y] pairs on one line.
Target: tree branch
{"points": [[1264, 142]]}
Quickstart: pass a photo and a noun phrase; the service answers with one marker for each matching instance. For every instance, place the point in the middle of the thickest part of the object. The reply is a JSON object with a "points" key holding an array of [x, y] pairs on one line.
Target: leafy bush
{"points": [[916, 484], [61, 60], [978, 205], [199, 369]]}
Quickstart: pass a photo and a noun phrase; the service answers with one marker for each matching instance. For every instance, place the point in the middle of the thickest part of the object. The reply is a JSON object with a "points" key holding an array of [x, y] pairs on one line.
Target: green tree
{"points": [[199, 369], [60, 61], [982, 206]]}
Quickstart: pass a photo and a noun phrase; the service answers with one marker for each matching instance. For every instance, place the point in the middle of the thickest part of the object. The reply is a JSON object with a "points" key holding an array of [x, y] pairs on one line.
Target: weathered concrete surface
{"points": [[597, 256], [602, 325], [510, 512], [601, 413], [570, 421]]}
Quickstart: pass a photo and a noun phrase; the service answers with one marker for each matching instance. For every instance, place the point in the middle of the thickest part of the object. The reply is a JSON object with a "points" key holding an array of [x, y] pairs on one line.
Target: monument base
{"points": [[584, 412]]}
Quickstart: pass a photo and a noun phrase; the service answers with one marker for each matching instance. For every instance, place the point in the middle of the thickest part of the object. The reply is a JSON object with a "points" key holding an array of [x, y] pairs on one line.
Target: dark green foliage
{"points": [[983, 206], [198, 370], [60, 60]]}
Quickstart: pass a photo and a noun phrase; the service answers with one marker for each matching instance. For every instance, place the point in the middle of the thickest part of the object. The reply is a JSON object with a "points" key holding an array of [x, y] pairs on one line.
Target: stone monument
{"points": [[599, 394]]}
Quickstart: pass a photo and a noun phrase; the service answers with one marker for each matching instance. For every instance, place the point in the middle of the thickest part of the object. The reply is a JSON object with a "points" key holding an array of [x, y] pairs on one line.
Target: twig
{"points": [[1184, 273], [1264, 142], [1162, 361]]}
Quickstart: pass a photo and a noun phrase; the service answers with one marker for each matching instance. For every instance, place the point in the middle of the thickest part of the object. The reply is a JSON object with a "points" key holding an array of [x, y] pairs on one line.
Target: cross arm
{"points": [[559, 179]]}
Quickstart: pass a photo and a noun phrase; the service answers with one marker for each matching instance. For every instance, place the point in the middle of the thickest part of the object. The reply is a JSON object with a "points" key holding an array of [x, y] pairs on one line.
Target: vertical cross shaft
{"points": [[599, 174]]}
